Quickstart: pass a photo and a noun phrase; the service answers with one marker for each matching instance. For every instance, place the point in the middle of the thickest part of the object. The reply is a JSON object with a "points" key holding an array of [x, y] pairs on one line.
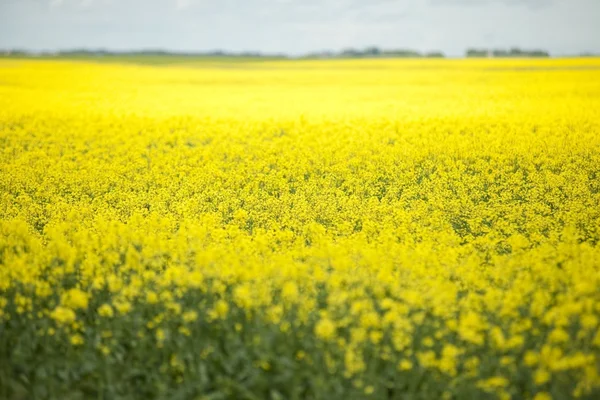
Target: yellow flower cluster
{"points": [[342, 229]]}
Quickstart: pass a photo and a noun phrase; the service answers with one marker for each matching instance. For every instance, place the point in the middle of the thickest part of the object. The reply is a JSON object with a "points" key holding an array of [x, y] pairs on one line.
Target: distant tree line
{"points": [[374, 52], [514, 52], [155, 53], [368, 52], [135, 53]]}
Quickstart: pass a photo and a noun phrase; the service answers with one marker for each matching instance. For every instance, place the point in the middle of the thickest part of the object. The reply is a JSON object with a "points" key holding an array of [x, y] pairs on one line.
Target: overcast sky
{"points": [[299, 26]]}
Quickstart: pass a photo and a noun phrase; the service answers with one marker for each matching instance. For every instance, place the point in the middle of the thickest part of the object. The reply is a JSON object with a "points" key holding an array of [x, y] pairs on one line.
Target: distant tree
{"points": [[500, 53], [515, 51], [477, 52], [14, 52], [539, 53], [350, 52], [372, 51], [404, 53], [435, 54]]}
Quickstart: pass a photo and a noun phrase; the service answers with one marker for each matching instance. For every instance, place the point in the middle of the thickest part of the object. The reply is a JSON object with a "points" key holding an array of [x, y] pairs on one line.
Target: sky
{"points": [[296, 27]]}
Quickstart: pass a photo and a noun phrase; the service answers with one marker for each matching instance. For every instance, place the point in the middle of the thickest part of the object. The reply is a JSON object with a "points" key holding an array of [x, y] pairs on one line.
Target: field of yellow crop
{"points": [[385, 229]]}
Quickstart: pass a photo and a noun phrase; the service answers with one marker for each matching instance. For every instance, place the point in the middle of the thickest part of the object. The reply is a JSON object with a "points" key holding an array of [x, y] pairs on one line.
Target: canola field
{"points": [[385, 229]]}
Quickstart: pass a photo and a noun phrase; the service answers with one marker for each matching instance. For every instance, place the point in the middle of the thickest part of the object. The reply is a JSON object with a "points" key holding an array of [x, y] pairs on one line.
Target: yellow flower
{"points": [[405, 365], [325, 329], [354, 362], [493, 383], [77, 340], [190, 316], [122, 306], [471, 326], [105, 350], [63, 315], [98, 283], [184, 331], [115, 284], [151, 297], [243, 296], [542, 396], [160, 335], [105, 310], [221, 308], [418, 221], [558, 336], [240, 215], [531, 358], [75, 299], [195, 280], [289, 292], [541, 376]]}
